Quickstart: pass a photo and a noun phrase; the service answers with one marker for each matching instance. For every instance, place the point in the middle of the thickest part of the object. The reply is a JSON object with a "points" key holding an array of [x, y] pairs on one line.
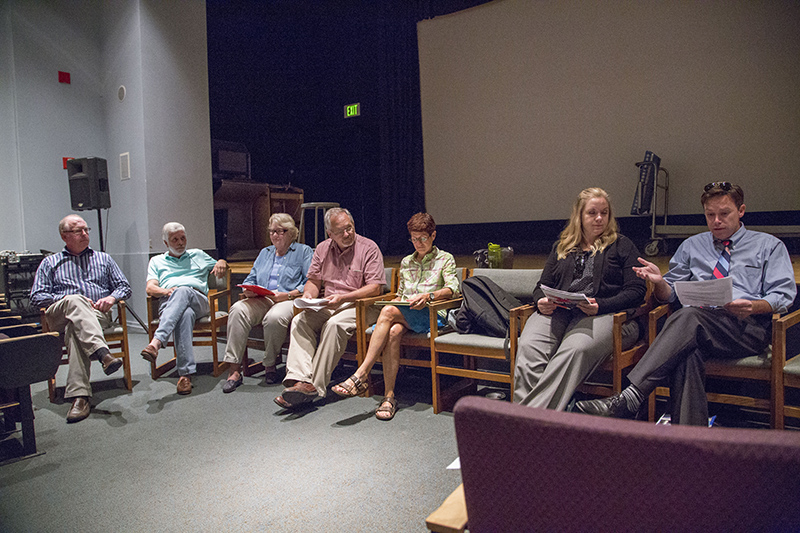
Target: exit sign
{"points": [[352, 110]]}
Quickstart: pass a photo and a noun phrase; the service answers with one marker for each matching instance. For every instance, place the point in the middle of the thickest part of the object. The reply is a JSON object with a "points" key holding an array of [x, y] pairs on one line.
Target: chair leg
{"points": [[51, 389]]}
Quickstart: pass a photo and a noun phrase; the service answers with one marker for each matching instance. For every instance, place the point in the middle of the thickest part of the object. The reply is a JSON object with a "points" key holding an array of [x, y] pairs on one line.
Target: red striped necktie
{"points": [[724, 262]]}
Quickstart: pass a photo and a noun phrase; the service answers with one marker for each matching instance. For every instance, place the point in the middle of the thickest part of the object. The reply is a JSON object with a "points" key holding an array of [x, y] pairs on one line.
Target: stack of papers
{"points": [[709, 293], [314, 304], [564, 298]]}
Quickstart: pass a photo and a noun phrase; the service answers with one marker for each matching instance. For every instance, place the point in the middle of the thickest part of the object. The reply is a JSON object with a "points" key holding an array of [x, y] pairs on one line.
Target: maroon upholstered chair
{"points": [[528, 469]]}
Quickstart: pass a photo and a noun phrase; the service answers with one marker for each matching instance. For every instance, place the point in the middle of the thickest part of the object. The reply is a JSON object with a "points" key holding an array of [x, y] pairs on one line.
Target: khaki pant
{"points": [[317, 341], [82, 327], [246, 314]]}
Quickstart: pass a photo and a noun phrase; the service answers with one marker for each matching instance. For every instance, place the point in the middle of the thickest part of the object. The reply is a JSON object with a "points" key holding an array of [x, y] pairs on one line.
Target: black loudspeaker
{"points": [[88, 183]]}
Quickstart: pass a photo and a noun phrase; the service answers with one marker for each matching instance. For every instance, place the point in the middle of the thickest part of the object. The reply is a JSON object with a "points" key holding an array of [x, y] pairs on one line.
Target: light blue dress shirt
{"points": [[294, 273], [761, 268]]}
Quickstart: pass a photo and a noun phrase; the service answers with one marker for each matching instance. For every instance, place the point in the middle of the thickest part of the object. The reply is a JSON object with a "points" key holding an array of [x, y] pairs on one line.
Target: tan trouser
{"points": [[82, 326], [313, 361], [246, 314]]}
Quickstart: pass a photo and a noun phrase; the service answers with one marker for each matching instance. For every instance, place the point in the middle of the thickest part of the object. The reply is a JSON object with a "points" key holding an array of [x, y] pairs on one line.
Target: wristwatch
{"points": [[430, 296]]}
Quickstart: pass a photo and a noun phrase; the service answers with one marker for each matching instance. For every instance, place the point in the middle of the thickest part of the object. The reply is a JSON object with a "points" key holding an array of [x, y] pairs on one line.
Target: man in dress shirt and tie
{"points": [[763, 283], [78, 286]]}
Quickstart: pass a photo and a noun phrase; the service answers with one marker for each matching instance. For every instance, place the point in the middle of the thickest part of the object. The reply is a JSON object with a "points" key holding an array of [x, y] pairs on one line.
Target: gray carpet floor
{"points": [[151, 460]]}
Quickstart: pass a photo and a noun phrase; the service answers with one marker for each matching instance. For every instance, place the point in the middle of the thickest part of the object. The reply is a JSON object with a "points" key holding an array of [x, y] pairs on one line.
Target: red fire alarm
{"points": [[63, 77]]}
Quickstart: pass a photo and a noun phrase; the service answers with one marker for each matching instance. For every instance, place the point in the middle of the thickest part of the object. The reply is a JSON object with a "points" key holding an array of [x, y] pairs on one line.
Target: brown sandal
{"points": [[389, 410], [355, 389]]}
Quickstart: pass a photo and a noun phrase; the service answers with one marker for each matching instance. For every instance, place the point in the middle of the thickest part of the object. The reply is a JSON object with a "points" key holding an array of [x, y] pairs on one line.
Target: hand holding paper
{"points": [[564, 298]]}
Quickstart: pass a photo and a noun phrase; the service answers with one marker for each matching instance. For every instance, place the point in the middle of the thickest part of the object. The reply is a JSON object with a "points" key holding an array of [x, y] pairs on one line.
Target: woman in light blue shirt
{"points": [[282, 269]]}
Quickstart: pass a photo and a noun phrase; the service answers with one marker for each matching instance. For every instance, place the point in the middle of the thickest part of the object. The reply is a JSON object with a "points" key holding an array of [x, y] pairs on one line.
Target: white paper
{"points": [[314, 304], [564, 298], [455, 465], [708, 293]]}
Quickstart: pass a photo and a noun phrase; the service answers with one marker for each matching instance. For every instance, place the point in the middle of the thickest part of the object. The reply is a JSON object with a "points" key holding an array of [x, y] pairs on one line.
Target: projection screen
{"points": [[525, 103]]}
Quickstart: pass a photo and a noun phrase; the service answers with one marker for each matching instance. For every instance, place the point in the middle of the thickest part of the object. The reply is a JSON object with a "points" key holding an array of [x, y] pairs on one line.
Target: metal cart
{"points": [[659, 233]]}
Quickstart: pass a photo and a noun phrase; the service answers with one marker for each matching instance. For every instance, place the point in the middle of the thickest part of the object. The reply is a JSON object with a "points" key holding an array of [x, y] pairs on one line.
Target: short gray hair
{"points": [[335, 212], [170, 228], [284, 221]]}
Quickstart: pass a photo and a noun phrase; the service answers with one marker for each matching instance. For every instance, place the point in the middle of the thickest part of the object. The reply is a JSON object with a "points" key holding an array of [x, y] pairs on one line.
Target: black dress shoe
{"points": [[230, 385], [614, 406]]}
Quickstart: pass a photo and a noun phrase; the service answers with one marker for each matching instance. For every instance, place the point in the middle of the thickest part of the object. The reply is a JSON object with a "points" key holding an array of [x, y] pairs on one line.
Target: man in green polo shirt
{"points": [[178, 278]]}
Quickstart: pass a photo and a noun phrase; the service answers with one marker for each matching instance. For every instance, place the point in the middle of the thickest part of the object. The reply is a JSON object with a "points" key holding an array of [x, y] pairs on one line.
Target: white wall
{"points": [[176, 119], [526, 103], [159, 53]]}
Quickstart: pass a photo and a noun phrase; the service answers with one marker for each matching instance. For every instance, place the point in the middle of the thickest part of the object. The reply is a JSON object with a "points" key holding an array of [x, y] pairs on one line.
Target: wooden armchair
{"points": [[417, 342], [117, 339], [472, 347], [206, 329], [622, 360], [766, 368]]}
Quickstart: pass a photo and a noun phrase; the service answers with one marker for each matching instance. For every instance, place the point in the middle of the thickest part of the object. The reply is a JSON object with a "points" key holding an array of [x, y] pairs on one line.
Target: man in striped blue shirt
{"points": [[78, 287]]}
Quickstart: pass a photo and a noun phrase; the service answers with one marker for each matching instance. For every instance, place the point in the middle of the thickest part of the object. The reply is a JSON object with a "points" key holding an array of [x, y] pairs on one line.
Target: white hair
{"points": [[170, 228], [335, 212], [284, 221]]}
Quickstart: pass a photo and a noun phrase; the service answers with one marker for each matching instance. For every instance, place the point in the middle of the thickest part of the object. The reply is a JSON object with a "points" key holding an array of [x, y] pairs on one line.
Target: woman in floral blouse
{"points": [[426, 275]]}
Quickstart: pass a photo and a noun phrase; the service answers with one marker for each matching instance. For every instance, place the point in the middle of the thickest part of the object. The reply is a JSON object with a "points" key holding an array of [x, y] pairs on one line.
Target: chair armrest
{"points": [[517, 318], [780, 326], [214, 294], [652, 321], [370, 300], [451, 516], [441, 305]]}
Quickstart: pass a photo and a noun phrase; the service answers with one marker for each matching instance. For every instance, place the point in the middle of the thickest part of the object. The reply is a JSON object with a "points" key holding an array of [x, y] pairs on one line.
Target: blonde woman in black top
{"points": [[559, 347]]}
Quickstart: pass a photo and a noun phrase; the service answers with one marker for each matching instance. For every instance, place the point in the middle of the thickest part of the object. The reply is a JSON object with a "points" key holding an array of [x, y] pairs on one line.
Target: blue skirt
{"points": [[419, 319]]}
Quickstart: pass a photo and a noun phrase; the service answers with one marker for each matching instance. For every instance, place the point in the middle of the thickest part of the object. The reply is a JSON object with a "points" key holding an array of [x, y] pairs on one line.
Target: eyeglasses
{"points": [[724, 185], [348, 229], [278, 231], [416, 240], [79, 231]]}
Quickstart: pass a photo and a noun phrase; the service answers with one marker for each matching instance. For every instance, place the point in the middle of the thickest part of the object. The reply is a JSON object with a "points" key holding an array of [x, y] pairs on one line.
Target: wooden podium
{"points": [[248, 206]]}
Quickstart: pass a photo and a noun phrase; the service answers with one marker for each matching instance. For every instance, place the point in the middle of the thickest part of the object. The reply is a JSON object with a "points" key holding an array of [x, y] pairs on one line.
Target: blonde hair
{"points": [[284, 221], [572, 234]]}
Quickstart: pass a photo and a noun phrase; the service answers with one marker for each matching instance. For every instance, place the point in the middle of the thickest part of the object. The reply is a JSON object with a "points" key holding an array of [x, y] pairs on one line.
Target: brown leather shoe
{"points": [[110, 363], [79, 410], [302, 392], [185, 385], [150, 354]]}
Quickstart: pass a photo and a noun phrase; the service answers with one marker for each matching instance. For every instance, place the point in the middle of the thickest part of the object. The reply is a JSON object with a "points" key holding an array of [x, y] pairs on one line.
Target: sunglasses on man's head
{"points": [[724, 185]]}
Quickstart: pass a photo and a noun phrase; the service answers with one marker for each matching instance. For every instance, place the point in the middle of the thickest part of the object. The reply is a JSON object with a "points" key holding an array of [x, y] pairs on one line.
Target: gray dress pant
{"points": [[690, 336], [245, 314], [177, 314], [556, 353]]}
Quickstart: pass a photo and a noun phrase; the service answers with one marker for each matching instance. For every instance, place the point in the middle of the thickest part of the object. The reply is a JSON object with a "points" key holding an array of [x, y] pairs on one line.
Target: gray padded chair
{"points": [[520, 284]]}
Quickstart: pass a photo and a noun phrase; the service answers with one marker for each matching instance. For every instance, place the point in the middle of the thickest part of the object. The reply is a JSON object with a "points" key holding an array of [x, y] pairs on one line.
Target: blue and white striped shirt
{"points": [[91, 273]]}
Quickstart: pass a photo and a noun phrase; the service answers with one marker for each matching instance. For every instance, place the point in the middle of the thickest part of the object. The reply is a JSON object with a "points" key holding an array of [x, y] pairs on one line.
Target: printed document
{"points": [[708, 293]]}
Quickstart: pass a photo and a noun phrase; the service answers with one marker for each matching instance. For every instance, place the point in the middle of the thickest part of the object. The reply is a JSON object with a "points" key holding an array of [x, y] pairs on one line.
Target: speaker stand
{"points": [[103, 249], [100, 231]]}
